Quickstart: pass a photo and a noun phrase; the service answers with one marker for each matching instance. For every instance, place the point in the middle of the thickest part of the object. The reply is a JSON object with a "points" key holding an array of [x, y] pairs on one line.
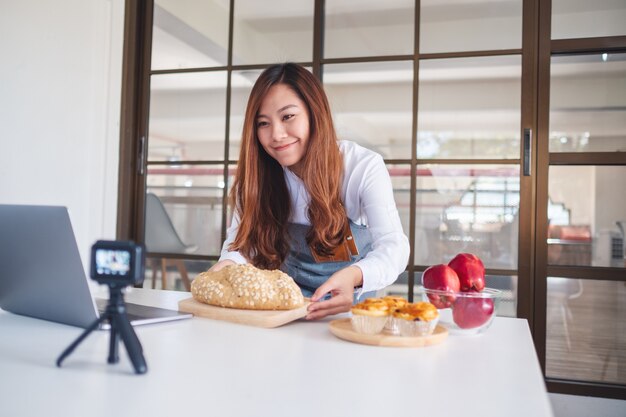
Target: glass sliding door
{"points": [[581, 262], [469, 123], [185, 174]]}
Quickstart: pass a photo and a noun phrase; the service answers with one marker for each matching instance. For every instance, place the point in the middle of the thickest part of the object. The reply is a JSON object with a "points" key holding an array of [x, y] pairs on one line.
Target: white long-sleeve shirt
{"points": [[367, 195]]}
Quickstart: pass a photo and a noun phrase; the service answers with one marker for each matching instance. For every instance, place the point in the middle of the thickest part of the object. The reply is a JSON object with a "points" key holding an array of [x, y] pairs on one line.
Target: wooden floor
{"points": [[586, 330]]}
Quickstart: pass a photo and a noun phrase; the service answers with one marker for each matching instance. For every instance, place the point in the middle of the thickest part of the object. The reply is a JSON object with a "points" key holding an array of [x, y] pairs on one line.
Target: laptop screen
{"points": [[41, 273]]}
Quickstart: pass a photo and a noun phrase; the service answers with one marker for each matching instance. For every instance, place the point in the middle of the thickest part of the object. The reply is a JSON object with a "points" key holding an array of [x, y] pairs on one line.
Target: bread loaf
{"points": [[247, 287]]}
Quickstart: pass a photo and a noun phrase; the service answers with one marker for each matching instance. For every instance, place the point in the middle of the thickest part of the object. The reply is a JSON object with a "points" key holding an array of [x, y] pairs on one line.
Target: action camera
{"points": [[116, 262]]}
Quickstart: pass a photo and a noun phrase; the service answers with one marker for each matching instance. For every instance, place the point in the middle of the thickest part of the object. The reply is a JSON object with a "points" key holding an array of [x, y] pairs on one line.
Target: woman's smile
{"points": [[283, 147]]}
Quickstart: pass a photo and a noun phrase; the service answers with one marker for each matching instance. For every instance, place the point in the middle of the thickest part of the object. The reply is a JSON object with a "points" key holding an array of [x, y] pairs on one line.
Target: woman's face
{"points": [[282, 126]]}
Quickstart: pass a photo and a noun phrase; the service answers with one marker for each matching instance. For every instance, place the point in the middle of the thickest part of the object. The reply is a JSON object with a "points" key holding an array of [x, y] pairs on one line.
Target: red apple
{"points": [[470, 312], [470, 270], [441, 277]]}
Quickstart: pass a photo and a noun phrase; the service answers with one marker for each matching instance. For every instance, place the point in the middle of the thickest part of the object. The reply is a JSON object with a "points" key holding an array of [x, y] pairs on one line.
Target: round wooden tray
{"points": [[342, 328]]}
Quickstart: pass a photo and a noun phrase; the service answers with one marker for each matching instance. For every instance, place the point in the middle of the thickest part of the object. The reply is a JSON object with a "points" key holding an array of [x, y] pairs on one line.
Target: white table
{"points": [[203, 367]]}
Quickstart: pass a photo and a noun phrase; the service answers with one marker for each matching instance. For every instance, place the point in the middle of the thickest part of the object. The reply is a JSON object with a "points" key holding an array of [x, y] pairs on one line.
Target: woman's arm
{"points": [[221, 264], [233, 256], [369, 195], [341, 287], [390, 248]]}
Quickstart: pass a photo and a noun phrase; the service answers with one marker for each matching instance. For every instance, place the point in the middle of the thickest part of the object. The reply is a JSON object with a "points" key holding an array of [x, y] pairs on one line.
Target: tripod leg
{"points": [[131, 341], [83, 335], [114, 341]]}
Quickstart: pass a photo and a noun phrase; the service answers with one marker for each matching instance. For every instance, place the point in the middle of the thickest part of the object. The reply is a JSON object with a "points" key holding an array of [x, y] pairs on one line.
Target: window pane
{"points": [[469, 108], [241, 82], [401, 182], [273, 31], [464, 208], [453, 26], [588, 103], [174, 271], [588, 19], [373, 28], [371, 104], [232, 170], [189, 34], [187, 116], [192, 198], [585, 330], [587, 215]]}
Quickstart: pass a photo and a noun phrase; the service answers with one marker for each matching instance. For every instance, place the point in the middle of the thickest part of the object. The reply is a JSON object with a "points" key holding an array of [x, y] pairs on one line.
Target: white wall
{"points": [[60, 109]]}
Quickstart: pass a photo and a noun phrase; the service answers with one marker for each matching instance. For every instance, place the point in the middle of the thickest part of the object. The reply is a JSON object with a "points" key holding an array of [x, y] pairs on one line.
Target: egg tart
{"points": [[416, 319], [370, 316], [394, 303]]}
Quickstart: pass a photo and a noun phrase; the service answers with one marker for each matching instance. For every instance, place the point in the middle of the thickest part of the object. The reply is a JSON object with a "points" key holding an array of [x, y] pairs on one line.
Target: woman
{"points": [[319, 209]]}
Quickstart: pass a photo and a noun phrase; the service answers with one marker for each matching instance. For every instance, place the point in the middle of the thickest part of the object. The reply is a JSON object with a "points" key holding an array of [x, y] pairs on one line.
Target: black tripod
{"points": [[115, 314]]}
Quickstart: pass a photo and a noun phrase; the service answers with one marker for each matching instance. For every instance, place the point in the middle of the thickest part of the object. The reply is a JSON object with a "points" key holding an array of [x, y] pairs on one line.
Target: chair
{"points": [[561, 292], [161, 237]]}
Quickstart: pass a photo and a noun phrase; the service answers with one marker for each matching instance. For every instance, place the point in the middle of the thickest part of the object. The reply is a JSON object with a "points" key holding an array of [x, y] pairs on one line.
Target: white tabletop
{"points": [[212, 368]]}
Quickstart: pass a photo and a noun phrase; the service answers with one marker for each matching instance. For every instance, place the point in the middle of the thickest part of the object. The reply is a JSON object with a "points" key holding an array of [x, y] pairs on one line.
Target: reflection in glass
{"points": [[462, 208], [371, 104], [189, 34], [272, 31], [585, 330], [373, 28], [588, 103], [187, 117], [588, 19], [192, 197], [469, 108], [453, 26], [587, 215]]}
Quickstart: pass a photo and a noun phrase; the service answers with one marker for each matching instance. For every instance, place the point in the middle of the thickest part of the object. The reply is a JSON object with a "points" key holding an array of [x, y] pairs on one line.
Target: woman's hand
{"points": [[340, 285], [221, 264]]}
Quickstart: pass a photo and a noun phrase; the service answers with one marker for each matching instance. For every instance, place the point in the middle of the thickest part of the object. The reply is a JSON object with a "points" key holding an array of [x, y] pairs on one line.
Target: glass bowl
{"points": [[464, 312]]}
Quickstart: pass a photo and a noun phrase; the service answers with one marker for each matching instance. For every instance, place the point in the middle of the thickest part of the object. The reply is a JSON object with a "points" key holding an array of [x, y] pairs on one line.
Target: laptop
{"points": [[41, 273]]}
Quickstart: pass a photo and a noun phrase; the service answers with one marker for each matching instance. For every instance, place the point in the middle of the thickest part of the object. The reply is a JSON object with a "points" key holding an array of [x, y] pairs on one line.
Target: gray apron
{"points": [[308, 273]]}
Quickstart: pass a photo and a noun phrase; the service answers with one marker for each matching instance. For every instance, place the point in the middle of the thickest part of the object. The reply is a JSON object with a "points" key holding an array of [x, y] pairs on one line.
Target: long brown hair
{"points": [[260, 195]]}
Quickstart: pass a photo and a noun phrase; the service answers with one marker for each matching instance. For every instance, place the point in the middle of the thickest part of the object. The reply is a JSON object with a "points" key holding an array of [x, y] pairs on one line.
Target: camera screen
{"points": [[112, 262]]}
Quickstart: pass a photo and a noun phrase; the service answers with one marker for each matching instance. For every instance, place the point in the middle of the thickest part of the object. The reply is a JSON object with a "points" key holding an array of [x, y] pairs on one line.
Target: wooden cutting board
{"points": [[342, 328], [258, 318]]}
